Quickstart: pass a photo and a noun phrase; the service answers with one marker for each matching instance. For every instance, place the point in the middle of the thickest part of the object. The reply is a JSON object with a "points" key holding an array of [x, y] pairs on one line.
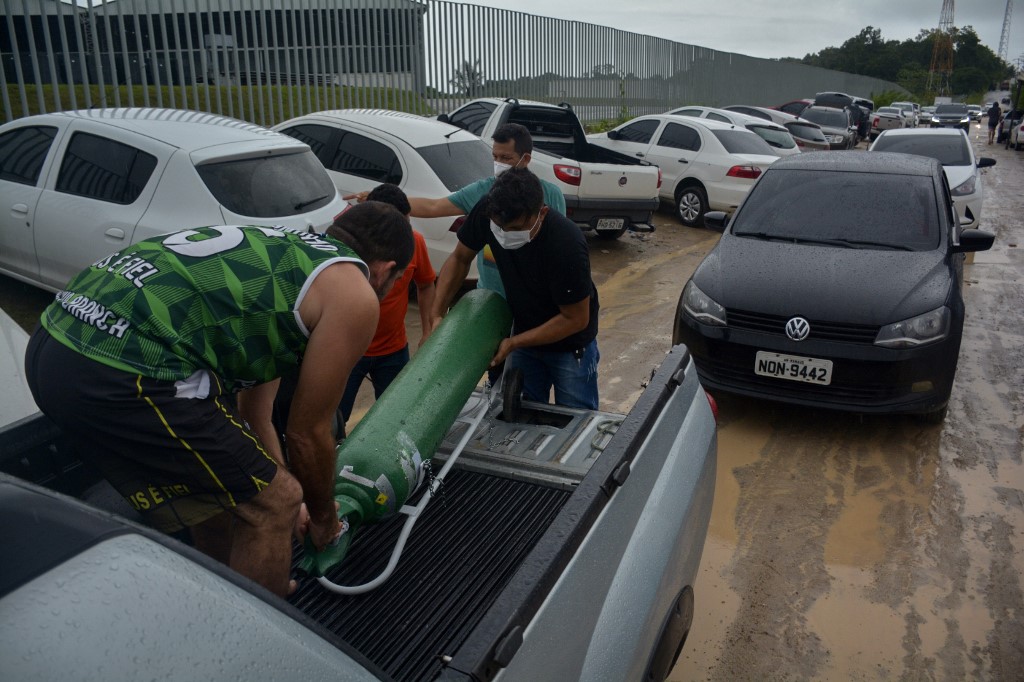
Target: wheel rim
{"points": [[689, 206]]}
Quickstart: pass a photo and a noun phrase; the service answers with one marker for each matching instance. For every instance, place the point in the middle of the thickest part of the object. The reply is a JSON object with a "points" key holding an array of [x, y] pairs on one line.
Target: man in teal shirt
{"points": [[512, 148]]}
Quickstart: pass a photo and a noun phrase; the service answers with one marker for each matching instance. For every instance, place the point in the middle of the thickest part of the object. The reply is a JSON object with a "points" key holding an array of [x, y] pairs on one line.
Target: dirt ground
{"points": [[840, 547]]}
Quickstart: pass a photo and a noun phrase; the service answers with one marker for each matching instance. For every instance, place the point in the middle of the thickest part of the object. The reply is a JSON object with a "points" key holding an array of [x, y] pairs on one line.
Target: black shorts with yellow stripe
{"points": [[177, 461]]}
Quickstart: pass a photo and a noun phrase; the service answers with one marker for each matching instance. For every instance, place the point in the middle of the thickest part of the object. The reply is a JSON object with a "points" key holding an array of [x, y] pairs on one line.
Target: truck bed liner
{"points": [[453, 568]]}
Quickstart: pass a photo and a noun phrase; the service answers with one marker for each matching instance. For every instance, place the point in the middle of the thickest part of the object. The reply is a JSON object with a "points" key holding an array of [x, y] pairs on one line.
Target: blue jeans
{"points": [[574, 380], [382, 370]]}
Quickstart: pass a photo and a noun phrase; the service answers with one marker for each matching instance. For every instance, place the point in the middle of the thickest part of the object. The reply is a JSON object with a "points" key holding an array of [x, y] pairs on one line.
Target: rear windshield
{"points": [[780, 139], [951, 109], [458, 164], [270, 187], [889, 110], [742, 142], [826, 117], [806, 132], [949, 150], [804, 205]]}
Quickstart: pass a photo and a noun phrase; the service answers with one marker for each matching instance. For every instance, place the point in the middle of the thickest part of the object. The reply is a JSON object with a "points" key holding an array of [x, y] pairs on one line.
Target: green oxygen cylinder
{"points": [[380, 464]]}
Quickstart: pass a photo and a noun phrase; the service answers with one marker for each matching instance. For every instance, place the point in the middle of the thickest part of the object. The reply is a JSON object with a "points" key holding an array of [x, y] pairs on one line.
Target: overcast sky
{"points": [[790, 28]]}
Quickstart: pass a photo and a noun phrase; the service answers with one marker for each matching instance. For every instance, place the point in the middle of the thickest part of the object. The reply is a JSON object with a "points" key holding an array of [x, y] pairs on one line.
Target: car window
{"points": [[318, 137], [950, 150], [833, 118], [271, 186], [805, 131], [889, 110], [359, 155], [718, 117], [793, 107], [678, 136], [458, 164], [750, 111], [815, 205], [688, 112], [100, 168], [641, 131], [23, 151], [473, 117], [951, 109], [780, 139], [742, 142]]}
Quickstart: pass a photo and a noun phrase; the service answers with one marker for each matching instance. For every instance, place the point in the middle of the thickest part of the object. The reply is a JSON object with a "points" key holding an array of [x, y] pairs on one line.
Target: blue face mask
{"points": [[515, 239]]}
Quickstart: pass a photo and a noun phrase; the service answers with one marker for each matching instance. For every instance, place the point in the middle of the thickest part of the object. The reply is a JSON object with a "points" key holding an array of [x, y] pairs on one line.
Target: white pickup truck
{"points": [[604, 190]]}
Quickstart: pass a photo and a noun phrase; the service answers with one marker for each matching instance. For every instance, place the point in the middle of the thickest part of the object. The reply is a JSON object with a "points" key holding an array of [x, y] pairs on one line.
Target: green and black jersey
{"points": [[222, 300]]}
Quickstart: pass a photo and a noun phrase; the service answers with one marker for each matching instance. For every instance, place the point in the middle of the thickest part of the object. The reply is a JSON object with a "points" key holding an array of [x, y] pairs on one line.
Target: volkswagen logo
{"points": [[798, 328]]}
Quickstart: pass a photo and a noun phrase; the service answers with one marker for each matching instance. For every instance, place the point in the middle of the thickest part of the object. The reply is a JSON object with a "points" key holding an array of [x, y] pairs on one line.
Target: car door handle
{"points": [[684, 161], [640, 154], [20, 210], [115, 233]]}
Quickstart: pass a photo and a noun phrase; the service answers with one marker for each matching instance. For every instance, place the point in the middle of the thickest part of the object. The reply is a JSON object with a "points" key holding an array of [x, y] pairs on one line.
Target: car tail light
{"points": [[457, 223], [570, 175], [714, 405], [875, 122], [800, 143], [749, 172], [659, 178]]}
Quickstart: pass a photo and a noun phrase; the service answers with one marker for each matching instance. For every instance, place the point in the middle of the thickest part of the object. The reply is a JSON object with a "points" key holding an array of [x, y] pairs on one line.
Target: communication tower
{"points": [[1004, 40], [942, 53]]}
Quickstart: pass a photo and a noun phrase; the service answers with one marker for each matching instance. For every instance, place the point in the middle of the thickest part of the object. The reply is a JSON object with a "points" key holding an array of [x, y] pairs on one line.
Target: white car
{"points": [[952, 148], [706, 165], [362, 148], [909, 111], [776, 135], [79, 185]]}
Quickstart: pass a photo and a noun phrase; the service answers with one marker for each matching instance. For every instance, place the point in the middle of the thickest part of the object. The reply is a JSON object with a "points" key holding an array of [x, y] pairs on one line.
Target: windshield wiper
{"points": [[845, 243], [303, 204]]}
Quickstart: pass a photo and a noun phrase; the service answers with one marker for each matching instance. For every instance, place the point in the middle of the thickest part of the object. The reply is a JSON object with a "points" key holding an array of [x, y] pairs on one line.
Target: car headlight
{"points": [[702, 307], [965, 119], [916, 331], [966, 187]]}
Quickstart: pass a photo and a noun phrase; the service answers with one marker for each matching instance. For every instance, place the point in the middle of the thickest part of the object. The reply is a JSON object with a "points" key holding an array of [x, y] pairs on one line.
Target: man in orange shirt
{"points": [[389, 351]]}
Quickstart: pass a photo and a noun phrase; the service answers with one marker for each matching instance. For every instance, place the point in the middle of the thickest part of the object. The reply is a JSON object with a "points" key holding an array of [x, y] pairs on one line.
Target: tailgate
{"points": [[614, 181]]}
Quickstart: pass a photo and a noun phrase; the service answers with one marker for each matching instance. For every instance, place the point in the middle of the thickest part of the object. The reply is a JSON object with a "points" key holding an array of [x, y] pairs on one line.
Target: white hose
{"points": [[482, 406]]}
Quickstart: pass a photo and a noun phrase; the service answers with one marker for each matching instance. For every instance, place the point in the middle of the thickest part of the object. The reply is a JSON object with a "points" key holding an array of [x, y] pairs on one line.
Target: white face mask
{"points": [[513, 240], [500, 167]]}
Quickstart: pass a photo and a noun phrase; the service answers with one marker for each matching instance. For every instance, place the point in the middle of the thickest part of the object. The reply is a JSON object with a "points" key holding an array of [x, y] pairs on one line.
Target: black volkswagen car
{"points": [[836, 284]]}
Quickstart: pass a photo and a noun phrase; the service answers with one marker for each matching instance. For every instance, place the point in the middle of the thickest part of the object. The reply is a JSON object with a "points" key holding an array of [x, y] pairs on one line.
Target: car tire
{"points": [[691, 205]]}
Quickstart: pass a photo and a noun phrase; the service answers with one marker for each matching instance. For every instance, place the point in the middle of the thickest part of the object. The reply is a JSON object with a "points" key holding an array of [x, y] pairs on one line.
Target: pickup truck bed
{"points": [[619, 504]]}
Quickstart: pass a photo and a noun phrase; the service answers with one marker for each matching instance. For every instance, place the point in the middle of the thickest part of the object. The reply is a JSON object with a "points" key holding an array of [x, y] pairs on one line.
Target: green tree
{"points": [[468, 79]]}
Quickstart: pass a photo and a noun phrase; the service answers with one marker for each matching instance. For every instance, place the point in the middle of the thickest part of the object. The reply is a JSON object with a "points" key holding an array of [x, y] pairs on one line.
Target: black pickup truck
{"points": [[562, 545]]}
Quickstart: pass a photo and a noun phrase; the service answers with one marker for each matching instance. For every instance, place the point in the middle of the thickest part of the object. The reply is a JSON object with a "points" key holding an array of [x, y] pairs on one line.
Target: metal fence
{"points": [[269, 60]]}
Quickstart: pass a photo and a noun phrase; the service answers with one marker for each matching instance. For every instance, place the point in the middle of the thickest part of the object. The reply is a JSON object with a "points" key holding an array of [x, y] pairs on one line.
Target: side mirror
{"points": [[973, 240], [716, 220], [985, 162], [614, 135], [443, 118]]}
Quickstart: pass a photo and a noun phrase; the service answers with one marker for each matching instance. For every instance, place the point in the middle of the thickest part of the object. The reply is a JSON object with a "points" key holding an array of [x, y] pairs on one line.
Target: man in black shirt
{"points": [[544, 264]]}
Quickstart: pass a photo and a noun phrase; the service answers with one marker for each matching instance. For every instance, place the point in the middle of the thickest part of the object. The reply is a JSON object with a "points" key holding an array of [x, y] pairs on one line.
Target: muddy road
{"points": [[841, 547]]}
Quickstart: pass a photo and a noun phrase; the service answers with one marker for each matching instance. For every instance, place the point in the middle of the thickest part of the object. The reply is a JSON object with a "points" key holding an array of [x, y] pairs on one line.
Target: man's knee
{"points": [[280, 500]]}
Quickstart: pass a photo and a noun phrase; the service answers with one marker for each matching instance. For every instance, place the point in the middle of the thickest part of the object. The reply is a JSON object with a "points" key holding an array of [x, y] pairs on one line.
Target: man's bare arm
{"points": [[453, 274], [569, 320], [256, 407], [342, 311]]}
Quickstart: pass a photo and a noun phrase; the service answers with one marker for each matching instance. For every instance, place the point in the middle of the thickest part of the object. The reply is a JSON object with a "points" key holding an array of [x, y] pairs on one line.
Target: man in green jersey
{"points": [[134, 358]]}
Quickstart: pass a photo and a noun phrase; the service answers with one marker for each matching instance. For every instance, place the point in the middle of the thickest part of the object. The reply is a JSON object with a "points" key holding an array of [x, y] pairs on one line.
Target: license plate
{"points": [[793, 368], [610, 223]]}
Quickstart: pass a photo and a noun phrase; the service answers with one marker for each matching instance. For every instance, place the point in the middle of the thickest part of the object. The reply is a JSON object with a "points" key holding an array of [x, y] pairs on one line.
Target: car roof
{"points": [[876, 162], [189, 130], [708, 123], [742, 118], [417, 131], [946, 132]]}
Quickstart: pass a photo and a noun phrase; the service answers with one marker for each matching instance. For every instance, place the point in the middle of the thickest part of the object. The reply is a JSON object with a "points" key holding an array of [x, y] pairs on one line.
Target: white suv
{"points": [[79, 185], [911, 111]]}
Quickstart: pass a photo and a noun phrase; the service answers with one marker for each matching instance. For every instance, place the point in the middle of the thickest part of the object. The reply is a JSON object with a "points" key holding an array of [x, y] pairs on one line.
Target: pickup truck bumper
{"points": [[588, 212]]}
